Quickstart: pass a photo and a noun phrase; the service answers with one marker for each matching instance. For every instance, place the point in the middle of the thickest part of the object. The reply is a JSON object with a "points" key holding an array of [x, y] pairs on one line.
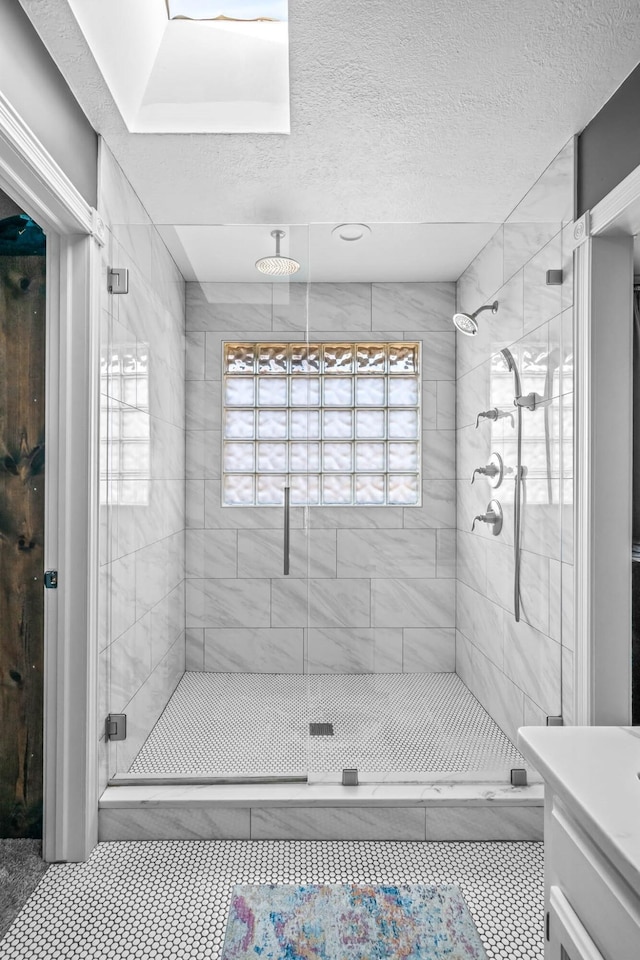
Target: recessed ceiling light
{"points": [[351, 231]]}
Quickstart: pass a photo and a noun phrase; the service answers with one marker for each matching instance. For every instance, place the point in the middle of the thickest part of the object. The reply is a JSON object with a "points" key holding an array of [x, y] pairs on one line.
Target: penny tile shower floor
{"points": [[168, 899], [258, 724]]}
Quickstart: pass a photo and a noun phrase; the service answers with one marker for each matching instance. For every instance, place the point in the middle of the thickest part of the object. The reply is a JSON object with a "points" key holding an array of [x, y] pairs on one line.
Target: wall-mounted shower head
{"points": [[467, 323]]}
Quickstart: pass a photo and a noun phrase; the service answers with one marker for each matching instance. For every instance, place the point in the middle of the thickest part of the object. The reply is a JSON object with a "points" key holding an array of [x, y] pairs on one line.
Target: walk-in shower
{"points": [[323, 629]]}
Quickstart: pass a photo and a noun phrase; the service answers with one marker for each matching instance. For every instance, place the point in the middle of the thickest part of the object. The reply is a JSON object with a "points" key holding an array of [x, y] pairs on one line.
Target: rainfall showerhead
{"points": [[277, 266], [467, 323]]}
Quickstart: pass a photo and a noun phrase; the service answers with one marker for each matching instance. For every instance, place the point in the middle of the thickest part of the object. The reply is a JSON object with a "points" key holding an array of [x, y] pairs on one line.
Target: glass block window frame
{"points": [[339, 423]]}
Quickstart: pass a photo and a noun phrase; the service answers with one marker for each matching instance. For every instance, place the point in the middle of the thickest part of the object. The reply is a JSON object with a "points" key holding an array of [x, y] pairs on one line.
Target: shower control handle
{"points": [[489, 471], [493, 516], [487, 415], [494, 471]]}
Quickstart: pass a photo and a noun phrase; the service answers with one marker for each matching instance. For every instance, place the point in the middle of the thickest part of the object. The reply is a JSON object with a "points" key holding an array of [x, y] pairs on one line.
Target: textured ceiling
{"points": [[426, 110]]}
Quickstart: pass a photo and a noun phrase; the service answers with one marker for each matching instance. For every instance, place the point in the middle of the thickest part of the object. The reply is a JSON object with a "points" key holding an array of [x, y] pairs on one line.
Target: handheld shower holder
{"points": [[529, 402], [493, 516]]}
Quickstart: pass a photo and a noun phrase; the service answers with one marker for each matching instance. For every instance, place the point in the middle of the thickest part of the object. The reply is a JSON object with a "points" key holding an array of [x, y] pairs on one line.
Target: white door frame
{"points": [[30, 176], [603, 263]]}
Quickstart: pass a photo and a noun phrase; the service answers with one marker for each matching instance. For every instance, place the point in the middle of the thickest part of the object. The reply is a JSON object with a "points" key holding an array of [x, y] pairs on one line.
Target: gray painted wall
{"points": [[609, 146], [34, 86]]}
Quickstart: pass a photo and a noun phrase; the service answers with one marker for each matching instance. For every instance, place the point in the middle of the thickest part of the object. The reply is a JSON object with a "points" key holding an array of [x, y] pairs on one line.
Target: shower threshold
{"points": [[232, 758]]}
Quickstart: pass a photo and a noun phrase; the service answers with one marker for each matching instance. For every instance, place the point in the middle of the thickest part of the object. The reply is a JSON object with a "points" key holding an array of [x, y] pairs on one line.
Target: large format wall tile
{"points": [[228, 306], [338, 823], [386, 553], [174, 823], [481, 621], [533, 661], [261, 553], [428, 650], [413, 603], [412, 306], [246, 650], [496, 692], [321, 603], [339, 306], [485, 823], [483, 276], [228, 603], [342, 651]]}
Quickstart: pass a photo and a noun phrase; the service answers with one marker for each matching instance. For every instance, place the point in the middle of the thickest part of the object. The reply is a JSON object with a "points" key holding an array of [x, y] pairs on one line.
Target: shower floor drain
{"points": [[321, 729]]}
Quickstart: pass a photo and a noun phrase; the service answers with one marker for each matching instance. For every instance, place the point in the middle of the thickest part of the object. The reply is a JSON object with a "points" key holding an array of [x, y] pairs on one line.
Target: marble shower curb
{"points": [[322, 812]]}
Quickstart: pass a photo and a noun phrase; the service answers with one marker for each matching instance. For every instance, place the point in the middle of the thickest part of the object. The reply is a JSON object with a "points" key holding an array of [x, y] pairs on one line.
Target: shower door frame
{"points": [[75, 233], [603, 263]]}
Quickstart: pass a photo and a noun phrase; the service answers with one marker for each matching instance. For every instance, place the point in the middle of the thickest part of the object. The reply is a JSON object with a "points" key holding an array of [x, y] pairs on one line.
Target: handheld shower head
{"points": [[512, 365], [466, 322]]}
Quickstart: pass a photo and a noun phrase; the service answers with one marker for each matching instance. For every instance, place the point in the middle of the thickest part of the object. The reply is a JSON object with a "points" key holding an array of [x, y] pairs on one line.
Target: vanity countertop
{"points": [[595, 770]]}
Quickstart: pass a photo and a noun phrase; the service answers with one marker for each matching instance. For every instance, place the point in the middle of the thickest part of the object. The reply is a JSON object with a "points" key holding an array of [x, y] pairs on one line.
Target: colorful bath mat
{"points": [[350, 922]]}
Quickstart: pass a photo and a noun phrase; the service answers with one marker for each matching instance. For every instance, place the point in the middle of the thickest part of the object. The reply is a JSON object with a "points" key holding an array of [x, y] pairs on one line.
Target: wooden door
{"points": [[22, 369]]}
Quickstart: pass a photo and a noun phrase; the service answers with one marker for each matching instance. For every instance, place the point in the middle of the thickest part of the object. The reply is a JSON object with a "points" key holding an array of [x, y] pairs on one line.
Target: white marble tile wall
{"points": [[372, 589], [521, 672], [142, 511]]}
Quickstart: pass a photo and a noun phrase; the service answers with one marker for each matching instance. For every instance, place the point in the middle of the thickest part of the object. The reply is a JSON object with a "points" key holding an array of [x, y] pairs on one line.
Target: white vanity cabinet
{"points": [[592, 839]]}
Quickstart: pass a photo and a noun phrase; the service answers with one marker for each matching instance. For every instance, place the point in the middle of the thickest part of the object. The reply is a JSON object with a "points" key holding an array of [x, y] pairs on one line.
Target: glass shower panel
{"points": [[237, 701], [384, 685]]}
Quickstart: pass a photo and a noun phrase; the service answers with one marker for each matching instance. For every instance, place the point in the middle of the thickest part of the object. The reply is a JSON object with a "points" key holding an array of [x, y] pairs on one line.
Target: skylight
{"points": [[193, 66], [243, 10]]}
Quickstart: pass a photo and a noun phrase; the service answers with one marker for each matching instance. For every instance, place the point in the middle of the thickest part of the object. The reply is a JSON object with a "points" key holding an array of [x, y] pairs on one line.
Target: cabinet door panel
{"points": [[568, 939]]}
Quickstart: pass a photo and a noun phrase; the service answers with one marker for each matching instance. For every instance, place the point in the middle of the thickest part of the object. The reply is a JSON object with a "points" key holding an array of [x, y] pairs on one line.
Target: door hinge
{"points": [[118, 280], [51, 579], [350, 778], [555, 721], [115, 726], [518, 777]]}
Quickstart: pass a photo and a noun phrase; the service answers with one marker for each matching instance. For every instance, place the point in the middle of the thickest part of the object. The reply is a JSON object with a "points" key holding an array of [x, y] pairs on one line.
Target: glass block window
{"points": [[125, 441], [339, 423]]}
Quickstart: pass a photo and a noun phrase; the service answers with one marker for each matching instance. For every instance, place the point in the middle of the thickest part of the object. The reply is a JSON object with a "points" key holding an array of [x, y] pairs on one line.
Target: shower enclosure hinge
{"points": [[554, 278], [518, 777], [555, 722], [115, 726], [349, 778], [51, 579], [117, 280]]}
